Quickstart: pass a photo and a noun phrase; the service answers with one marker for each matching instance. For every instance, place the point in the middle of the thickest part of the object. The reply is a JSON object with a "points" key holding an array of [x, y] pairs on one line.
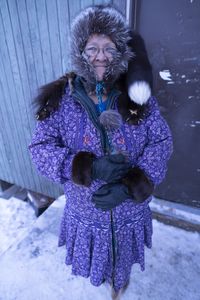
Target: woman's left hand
{"points": [[110, 195]]}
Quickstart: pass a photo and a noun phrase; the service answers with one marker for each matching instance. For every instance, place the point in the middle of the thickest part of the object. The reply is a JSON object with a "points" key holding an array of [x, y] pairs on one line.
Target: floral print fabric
{"points": [[88, 232]]}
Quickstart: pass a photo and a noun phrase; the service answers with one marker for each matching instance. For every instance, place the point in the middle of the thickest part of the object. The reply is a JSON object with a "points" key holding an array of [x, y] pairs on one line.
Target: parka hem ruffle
{"points": [[88, 247]]}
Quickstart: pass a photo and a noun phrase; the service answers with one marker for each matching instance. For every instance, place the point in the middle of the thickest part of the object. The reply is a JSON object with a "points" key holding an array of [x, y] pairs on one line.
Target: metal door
{"points": [[171, 33]]}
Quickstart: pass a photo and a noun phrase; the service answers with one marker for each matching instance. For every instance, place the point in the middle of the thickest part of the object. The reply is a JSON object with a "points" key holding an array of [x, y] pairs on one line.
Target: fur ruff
{"points": [[138, 80], [50, 94], [106, 20]]}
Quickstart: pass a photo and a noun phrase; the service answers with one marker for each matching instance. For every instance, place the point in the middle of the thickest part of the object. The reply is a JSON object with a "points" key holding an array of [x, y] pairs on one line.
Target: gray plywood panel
{"points": [[54, 37], [20, 88], [64, 23], [121, 5], [74, 9], [8, 69], [31, 40], [44, 41], [85, 3]]}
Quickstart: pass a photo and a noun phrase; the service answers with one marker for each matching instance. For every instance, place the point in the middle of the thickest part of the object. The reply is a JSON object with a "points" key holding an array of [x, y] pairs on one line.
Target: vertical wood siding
{"points": [[34, 50]]}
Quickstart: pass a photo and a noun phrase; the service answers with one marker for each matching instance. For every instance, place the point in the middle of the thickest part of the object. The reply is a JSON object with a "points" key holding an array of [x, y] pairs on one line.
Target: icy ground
{"points": [[34, 268], [16, 219]]}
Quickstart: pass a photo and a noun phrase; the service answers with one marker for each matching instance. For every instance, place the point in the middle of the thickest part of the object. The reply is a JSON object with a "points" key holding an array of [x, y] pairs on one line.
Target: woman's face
{"points": [[100, 51]]}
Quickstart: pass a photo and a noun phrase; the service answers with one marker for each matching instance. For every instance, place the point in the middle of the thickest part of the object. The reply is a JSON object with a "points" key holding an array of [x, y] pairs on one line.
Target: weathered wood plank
{"points": [[31, 41], [74, 9], [54, 37], [20, 91], [85, 3], [9, 133], [107, 2], [64, 24], [44, 40], [4, 157], [16, 141], [121, 5], [96, 2]]}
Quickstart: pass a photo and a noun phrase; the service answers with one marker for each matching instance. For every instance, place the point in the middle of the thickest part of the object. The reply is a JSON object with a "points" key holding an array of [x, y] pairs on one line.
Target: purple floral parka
{"points": [[101, 244]]}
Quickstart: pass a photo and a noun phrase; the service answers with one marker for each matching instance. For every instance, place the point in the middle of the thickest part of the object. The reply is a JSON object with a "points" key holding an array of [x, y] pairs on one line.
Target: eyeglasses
{"points": [[92, 51]]}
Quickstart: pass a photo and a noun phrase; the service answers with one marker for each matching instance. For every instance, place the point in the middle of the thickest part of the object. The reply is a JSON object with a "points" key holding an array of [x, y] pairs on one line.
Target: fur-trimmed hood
{"points": [[130, 71], [100, 20]]}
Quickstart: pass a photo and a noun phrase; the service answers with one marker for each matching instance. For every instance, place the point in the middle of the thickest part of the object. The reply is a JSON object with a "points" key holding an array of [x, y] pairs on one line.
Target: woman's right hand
{"points": [[110, 167], [110, 195]]}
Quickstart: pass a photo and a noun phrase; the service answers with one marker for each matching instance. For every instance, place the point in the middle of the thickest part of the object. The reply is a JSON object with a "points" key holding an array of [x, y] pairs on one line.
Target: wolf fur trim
{"points": [[82, 168], [104, 20], [50, 94], [139, 185]]}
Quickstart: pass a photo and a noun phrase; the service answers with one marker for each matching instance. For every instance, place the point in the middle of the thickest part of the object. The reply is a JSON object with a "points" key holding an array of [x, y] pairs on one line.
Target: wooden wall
{"points": [[34, 47]]}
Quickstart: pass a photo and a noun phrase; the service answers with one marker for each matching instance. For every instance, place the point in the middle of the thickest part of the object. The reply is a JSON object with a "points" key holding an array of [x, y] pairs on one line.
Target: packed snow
{"points": [[34, 268], [16, 219]]}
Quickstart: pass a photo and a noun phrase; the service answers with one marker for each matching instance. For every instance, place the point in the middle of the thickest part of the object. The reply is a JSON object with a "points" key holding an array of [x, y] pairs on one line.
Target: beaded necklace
{"points": [[99, 92]]}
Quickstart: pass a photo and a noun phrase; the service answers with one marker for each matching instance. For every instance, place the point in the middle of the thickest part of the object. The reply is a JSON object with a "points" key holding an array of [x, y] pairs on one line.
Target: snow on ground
{"points": [[35, 269], [16, 219]]}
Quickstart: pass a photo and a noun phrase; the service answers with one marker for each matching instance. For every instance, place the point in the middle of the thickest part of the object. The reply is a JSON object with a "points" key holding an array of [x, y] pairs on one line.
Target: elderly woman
{"points": [[101, 135]]}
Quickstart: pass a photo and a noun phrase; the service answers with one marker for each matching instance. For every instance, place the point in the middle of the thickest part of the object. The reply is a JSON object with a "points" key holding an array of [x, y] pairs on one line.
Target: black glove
{"points": [[110, 167], [110, 195]]}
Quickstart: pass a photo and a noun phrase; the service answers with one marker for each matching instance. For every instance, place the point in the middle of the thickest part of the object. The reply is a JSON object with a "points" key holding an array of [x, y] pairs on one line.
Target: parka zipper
{"points": [[105, 146], [113, 239]]}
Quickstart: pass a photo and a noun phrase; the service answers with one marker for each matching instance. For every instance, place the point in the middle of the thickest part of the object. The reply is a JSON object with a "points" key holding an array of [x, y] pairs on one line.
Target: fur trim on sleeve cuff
{"points": [[82, 168], [139, 185]]}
